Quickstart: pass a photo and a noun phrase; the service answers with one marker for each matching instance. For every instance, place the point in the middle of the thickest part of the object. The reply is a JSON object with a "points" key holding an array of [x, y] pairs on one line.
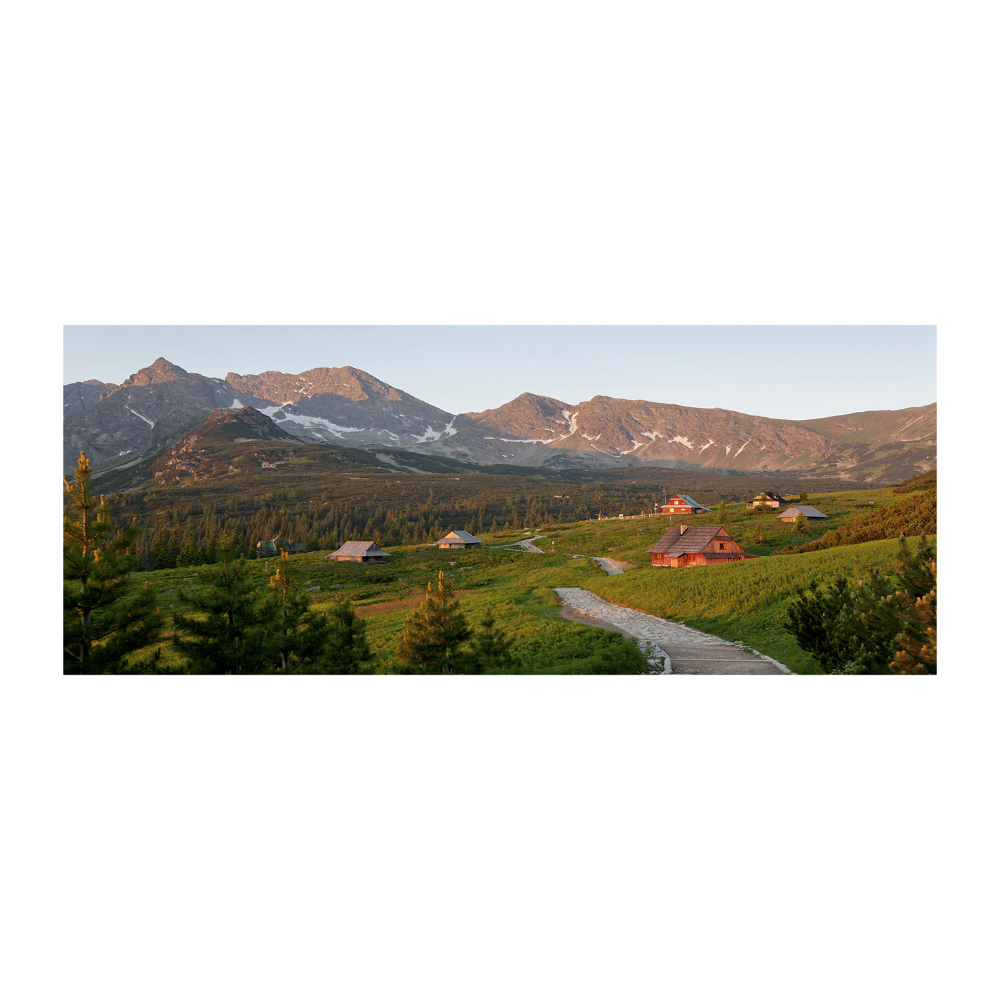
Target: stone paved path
{"points": [[612, 566], [689, 651], [527, 545]]}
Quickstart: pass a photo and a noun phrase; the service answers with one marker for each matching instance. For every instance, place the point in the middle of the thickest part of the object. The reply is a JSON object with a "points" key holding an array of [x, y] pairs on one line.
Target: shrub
{"points": [[880, 625]]}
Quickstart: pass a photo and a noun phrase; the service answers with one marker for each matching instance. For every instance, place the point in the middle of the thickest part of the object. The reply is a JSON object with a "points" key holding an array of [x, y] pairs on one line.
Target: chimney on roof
{"points": [[684, 528]]}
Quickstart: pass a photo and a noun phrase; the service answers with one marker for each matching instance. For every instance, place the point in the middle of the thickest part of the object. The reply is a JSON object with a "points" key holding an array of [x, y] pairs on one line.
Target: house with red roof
{"points": [[681, 503]]}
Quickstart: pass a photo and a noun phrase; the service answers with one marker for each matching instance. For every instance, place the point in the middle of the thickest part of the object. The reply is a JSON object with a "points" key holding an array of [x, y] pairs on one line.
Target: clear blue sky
{"points": [[795, 372]]}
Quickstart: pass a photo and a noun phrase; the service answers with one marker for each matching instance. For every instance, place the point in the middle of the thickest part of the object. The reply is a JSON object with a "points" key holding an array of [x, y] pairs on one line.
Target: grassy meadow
{"points": [[745, 601]]}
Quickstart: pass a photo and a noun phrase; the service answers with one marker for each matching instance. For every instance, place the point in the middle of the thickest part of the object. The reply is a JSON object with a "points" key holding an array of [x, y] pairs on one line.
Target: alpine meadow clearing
{"points": [[744, 601]]}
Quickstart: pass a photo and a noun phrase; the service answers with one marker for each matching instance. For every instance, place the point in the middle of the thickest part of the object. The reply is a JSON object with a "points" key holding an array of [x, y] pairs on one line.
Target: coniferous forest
{"points": [[183, 526]]}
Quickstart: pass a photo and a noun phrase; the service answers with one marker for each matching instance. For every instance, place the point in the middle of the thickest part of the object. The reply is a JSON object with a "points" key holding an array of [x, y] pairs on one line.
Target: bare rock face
{"points": [[346, 406], [159, 371], [606, 432], [279, 389], [80, 396], [147, 411], [343, 406]]}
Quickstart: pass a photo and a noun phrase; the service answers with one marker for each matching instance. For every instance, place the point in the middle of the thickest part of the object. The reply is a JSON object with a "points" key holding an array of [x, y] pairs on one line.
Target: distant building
{"points": [[459, 540], [363, 552], [681, 503], [766, 499], [697, 545], [801, 508], [272, 546]]}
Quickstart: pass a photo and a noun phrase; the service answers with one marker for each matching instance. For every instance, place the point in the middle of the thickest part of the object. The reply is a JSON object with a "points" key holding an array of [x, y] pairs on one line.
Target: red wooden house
{"points": [[681, 503], [697, 545]]}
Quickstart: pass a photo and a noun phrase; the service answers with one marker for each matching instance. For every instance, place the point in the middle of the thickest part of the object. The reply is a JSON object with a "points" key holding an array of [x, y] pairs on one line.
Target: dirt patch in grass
{"points": [[400, 604]]}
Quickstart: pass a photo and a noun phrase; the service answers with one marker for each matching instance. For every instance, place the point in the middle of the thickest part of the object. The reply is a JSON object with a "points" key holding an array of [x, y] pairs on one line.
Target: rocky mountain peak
{"points": [[278, 389], [160, 370]]}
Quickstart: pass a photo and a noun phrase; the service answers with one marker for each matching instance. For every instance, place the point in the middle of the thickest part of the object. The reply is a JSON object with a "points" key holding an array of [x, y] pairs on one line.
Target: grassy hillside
{"points": [[515, 585], [759, 531], [745, 601]]}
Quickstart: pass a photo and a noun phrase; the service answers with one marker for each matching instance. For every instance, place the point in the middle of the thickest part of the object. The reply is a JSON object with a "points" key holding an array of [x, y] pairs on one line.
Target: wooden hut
{"points": [[362, 552], [766, 499], [811, 513], [681, 503], [459, 540], [697, 545], [272, 546]]}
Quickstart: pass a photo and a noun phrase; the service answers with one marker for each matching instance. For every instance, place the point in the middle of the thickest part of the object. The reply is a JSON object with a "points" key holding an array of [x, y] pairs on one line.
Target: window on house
{"points": [[722, 545]]}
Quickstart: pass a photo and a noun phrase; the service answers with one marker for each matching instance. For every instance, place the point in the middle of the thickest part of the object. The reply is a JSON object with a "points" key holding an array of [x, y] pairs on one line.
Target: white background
{"points": [[486, 837]]}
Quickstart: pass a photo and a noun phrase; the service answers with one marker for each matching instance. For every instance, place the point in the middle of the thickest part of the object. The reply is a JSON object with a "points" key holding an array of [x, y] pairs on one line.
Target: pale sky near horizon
{"points": [[791, 372]]}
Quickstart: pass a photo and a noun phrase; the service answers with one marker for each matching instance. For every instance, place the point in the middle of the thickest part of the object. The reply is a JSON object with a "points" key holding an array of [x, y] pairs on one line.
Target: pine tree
{"points": [[904, 614], [235, 631], [291, 609], [104, 620], [346, 649], [489, 649], [434, 631], [722, 517], [801, 524], [188, 555], [916, 642], [307, 641]]}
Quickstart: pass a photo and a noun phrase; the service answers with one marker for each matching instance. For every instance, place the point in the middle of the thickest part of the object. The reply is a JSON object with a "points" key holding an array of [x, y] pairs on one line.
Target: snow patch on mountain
{"points": [[529, 440], [139, 415], [310, 423]]}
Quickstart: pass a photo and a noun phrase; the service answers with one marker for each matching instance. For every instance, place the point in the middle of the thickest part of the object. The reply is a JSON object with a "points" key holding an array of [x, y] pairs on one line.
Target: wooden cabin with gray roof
{"points": [[811, 513], [362, 552], [766, 499], [697, 545], [459, 540]]}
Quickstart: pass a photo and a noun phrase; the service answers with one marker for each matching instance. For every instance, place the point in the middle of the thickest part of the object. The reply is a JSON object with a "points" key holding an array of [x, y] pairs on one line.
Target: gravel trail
{"points": [[688, 650]]}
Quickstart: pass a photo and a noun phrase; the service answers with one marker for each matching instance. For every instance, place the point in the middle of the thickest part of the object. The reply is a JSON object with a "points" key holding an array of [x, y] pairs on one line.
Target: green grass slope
{"points": [[743, 601], [746, 601]]}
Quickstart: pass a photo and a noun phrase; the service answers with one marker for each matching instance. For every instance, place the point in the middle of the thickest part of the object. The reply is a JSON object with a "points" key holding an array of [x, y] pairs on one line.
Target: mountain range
{"points": [[346, 407]]}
